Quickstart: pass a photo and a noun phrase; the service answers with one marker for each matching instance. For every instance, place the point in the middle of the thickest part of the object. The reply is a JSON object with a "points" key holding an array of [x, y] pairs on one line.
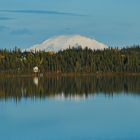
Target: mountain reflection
{"points": [[68, 87]]}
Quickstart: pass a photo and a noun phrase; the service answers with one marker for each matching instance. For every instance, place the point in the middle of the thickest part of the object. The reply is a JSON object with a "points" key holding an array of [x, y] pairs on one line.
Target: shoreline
{"points": [[68, 74]]}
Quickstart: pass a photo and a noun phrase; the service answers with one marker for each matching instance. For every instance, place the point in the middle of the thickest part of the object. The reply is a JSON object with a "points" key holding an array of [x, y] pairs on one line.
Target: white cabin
{"points": [[35, 69]]}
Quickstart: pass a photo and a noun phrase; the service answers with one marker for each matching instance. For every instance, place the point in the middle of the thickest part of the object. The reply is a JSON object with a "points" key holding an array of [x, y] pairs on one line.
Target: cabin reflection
{"points": [[35, 80], [70, 88]]}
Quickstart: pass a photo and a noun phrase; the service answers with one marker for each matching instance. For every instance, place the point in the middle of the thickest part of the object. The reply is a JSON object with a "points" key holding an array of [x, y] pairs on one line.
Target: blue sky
{"points": [[113, 22]]}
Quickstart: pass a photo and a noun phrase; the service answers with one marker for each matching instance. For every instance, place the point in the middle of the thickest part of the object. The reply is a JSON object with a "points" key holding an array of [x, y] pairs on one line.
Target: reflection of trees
{"points": [[68, 87]]}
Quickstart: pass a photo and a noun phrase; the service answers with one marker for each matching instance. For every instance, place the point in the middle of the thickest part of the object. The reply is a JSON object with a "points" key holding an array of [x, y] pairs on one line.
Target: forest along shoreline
{"points": [[43, 75], [70, 62]]}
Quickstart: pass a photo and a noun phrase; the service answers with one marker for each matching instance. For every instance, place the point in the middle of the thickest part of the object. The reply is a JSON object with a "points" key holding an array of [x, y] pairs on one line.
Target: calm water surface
{"points": [[70, 108]]}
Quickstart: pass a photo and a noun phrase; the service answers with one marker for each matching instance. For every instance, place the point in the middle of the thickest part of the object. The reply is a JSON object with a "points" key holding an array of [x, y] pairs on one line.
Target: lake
{"points": [[70, 108]]}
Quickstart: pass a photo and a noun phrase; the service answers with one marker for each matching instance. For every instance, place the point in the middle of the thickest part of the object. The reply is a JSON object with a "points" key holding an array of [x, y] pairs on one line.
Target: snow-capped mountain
{"points": [[65, 41]]}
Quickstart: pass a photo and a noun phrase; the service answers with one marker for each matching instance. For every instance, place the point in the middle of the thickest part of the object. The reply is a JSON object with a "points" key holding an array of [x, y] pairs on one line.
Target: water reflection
{"points": [[68, 87], [35, 80]]}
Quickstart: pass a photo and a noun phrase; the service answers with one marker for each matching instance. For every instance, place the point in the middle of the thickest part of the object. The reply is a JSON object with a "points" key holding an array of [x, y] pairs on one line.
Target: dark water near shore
{"points": [[65, 108]]}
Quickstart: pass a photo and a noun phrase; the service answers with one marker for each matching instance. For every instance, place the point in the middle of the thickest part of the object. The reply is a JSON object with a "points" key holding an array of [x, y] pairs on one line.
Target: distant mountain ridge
{"points": [[63, 42]]}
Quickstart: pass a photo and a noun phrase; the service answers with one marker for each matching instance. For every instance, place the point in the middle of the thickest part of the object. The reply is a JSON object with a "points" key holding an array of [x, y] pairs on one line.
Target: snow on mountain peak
{"points": [[65, 41]]}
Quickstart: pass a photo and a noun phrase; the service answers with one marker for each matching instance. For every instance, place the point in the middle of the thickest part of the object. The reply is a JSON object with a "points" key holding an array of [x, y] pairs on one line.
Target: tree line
{"points": [[72, 60]]}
